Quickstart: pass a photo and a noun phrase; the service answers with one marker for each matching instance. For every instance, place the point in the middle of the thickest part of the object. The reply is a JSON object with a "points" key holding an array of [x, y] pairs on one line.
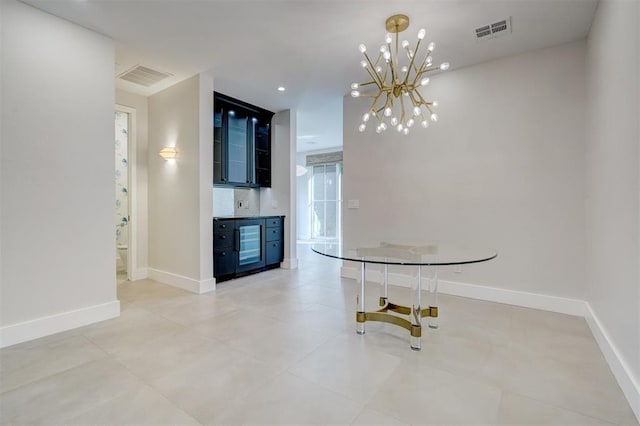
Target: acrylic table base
{"points": [[413, 322]]}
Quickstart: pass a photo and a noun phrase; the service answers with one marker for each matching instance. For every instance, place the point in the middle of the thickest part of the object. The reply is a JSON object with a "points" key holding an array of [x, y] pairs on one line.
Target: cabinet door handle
{"points": [[223, 237], [223, 226], [224, 253], [236, 240]]}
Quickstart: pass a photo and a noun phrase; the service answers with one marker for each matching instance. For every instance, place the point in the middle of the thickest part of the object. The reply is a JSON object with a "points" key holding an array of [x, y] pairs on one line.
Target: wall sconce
{"points": [[168, 153]]}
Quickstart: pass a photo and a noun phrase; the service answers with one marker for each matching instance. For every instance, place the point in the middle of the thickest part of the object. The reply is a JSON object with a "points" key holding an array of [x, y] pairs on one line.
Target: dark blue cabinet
{"points": [[241, 143], [243, 246]]}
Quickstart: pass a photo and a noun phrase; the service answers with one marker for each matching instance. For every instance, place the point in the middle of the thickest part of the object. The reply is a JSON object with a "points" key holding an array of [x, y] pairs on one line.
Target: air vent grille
{"points": [[144, 76], [496, 29]]}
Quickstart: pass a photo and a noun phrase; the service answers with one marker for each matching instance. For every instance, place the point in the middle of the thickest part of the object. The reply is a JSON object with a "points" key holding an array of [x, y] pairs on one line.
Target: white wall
{"points": [[280, 199], [139, 187], [503, 168], [180, 192], [58, 245], [613, 187]]}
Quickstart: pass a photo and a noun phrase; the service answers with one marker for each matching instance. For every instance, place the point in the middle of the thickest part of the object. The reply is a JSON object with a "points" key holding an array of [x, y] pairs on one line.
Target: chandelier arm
{"points": [[384, 77], [389, 101], [375, 101], [397, 53], [425, 103], [379, 116], [413, 99], [377, 83], [422, 70], [429, 108], [372, 69], [413, 58], [390, 63]]}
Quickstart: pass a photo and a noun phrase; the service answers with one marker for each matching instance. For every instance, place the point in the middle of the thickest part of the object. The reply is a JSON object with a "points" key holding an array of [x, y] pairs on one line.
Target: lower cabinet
{"points": [[243, 246]]}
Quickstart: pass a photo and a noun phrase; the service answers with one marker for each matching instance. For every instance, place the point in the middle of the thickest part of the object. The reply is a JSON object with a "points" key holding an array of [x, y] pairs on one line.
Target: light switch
{"points": [[353, 204]]}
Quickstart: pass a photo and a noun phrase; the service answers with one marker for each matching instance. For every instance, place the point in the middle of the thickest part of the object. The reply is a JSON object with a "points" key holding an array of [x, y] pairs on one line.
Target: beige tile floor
{"points": [[280, 348]]}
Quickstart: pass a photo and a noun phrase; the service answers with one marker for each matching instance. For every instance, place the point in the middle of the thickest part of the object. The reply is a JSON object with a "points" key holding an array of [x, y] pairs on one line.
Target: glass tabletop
{"points": [[406, 254]]}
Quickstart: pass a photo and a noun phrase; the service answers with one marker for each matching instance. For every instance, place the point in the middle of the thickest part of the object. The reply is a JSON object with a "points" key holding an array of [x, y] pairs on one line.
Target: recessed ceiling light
{"points": [[281, 89]]}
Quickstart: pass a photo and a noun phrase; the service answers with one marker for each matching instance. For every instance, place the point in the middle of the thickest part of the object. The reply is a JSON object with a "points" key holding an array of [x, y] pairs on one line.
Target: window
{"points": [[326, 201]]}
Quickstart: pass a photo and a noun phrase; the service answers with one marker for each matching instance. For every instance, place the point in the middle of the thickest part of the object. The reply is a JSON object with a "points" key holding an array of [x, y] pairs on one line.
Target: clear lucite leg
{"points": [[416, 317], [385, 283], [360, 313], [433, 298]]}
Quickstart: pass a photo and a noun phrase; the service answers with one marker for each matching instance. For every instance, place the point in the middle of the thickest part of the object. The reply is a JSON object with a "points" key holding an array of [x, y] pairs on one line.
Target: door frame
{"points": [[132, 239]]}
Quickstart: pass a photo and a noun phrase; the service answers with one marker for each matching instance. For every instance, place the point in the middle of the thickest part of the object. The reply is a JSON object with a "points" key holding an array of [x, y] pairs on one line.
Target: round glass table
{"points": [[421, 256]]}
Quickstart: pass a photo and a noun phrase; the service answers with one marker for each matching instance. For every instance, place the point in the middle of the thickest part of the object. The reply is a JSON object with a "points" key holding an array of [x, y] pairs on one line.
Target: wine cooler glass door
{"points": [[251, 251]]}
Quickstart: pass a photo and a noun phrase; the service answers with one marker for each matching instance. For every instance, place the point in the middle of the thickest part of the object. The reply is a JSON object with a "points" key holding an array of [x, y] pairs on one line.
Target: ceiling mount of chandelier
{"points": [[396, 75]]}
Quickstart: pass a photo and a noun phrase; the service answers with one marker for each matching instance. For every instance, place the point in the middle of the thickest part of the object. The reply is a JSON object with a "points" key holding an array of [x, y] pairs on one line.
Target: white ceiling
{"points": [[308, 46]]}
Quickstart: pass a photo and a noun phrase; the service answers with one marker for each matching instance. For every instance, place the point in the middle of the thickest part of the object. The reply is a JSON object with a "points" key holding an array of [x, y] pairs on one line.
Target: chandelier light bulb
{"points": [[421, 33], [387, 38], [362, 127], [410, 123], [424, 81], [354, 86], [434, 103], [383, 126], [444, 66], [355, 93], [365, 117], [363, 63], [386, 55], [416, 110], [405, 131], [411, 53], [387, 112], [434, 117], [429, 61], [394, 121], [424, 124], [430, 47], [405, 43], [399, 127], [362, 48], [379, 69], [405, 69], [378, 129]]}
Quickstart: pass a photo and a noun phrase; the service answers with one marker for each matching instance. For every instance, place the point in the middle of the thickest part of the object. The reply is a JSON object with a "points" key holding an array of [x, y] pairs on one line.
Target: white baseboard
{"points": [[491, 294], [629, 385], [52, 324], [291, 263], [183, 282]]}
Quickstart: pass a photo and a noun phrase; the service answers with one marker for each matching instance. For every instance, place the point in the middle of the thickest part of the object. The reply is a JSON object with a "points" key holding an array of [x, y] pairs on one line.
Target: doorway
{"points": [[326, 201], [124, 201]]}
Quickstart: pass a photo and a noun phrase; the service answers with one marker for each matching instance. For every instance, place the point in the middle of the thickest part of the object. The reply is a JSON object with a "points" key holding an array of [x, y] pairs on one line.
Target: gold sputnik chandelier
{"points": [[397, 102]]}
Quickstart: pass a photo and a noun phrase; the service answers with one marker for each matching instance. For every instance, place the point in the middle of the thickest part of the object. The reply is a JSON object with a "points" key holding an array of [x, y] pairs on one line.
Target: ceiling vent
{"points": [[143, 76], [497, 29]]}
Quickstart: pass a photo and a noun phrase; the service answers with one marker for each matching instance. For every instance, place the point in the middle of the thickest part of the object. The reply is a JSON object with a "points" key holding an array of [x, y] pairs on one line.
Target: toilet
{"points": [[121, 258]]}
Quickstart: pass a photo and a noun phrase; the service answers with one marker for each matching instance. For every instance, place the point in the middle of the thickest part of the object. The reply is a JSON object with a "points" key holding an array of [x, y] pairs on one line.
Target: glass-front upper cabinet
{"points": [[242, 143]]}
